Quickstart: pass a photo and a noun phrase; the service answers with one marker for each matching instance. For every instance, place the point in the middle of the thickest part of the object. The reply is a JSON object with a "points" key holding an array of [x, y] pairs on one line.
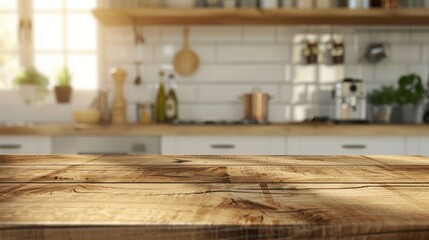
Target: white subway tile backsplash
{"points": [[215, 34], [420, 37], [171, 34], [236, 59], [320, 93], [420, 69], [165, 52], [280, 113], [353, 52], [224, 73], [211, 111], [285, 34], [286, 93], [187, 93], [398, 37], [304, 73], [266, 73], [306, 111], [232, 93], [126, 34], [360, 71], [331, 73], [253, 53], [259, 34], [404, 53], [298, 93], [129, 53], [389, 72], [202, 34], [425, 53]]}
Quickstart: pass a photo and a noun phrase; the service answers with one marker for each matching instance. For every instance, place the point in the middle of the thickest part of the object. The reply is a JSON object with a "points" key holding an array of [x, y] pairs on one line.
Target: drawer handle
{"points": [[10, 146], [223, 146], [354, 146]]}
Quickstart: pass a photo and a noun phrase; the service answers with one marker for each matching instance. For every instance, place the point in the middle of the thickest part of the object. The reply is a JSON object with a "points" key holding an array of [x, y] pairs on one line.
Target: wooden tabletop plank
{"points": [[215, 160], [355, 209], [208, 197], [213, 174]]}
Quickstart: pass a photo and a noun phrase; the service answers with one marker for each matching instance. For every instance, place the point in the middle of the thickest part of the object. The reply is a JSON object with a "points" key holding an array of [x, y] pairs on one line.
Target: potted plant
{"points": [[32, 84], [410, 96], [382, 101], [63, 89]]}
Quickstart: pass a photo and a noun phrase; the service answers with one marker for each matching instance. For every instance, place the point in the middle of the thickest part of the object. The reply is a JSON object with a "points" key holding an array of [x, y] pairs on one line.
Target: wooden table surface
{"points": [[214, 197]]}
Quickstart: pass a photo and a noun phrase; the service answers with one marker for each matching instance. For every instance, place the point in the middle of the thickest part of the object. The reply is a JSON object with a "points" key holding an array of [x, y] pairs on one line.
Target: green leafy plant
{"points": [[384, 96], [31, 76], [64, 77], [410, 90]]}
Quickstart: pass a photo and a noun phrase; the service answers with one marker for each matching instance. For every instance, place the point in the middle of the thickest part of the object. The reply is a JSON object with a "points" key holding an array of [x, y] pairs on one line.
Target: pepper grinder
{"points": [[119, 104]]}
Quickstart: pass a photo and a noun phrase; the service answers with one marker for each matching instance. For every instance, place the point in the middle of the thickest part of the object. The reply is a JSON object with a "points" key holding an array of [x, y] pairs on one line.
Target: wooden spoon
{"points": [[186, 61]]}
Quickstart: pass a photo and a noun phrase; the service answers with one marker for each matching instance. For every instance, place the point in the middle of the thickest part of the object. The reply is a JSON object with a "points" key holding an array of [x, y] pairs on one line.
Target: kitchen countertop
{"points": [[206, 197], [297, 129]]}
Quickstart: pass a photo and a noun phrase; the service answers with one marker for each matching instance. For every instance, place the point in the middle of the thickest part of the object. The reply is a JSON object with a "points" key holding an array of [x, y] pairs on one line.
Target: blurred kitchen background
{"points": [[336, 72]]}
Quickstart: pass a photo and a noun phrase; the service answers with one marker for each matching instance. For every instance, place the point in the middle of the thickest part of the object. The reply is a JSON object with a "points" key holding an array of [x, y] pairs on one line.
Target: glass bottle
{"points": [[171, 104], [160, 100]]}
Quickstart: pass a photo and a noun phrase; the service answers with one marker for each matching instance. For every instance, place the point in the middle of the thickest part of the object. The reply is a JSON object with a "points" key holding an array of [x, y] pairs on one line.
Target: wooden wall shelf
{"points": [[198, 16]]}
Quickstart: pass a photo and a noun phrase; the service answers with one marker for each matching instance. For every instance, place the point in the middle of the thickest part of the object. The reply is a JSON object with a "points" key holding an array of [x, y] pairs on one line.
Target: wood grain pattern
{"points": [[168, 16], [213, 160], [269, 130], [210, 174], [212, 197]]}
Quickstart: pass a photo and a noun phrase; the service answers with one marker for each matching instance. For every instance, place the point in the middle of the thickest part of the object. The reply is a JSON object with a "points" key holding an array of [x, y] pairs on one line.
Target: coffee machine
{"points": [[350, 101]]}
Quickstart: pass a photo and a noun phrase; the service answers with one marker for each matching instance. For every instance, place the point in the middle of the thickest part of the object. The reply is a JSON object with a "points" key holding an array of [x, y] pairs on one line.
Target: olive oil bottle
{"points": [[171, 104], [160, 100]]}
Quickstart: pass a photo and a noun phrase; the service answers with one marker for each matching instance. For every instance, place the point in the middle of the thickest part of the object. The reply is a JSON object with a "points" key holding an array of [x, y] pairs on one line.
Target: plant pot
{"points": [[30, 93], [382, 113], [409, 114], [63, 94]]}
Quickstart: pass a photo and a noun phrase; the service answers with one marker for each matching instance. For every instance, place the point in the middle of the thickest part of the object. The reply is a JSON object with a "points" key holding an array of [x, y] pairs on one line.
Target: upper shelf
{"points": [[199, 16]]}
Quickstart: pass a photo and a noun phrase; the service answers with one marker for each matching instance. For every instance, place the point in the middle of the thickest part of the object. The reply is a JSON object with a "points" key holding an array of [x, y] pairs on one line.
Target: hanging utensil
{"points": [[138, 79], [138, 41], [186, 61]]}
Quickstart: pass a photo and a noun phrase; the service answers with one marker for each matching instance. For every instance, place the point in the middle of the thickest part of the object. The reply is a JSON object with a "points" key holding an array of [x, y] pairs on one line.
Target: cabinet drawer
{"points": [[346, 145], [216, 145], [106, 145], [25, 145]]}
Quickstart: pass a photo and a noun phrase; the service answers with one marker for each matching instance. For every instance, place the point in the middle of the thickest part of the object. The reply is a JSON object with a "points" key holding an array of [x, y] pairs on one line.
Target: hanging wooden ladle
{"points": [[186, 61]]}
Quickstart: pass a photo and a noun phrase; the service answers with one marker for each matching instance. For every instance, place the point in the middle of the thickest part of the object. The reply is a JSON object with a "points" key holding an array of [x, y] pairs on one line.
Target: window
{"points": [[63, 33], [9, 49]]}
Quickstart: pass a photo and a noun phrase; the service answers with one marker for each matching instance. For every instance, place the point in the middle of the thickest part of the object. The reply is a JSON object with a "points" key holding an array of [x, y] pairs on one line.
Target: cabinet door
{"points": [[217, 145], [317, 145], [12, 145], [424, 146], [118, 145]]}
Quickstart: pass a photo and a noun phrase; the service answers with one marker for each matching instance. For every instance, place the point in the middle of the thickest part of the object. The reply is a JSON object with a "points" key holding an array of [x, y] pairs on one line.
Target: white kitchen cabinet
{"points": [[223, 145], [118, 145], [423, 146], [24, 145], [336, 145]]}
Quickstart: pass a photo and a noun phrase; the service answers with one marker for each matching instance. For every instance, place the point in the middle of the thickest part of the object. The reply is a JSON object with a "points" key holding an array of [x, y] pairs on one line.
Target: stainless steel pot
{"points": [[255, 106]]}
